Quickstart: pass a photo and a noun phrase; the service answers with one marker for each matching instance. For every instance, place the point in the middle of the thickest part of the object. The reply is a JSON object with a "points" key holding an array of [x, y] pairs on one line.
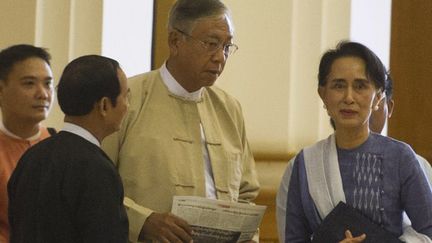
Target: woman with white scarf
{"points": [[378, 176]]}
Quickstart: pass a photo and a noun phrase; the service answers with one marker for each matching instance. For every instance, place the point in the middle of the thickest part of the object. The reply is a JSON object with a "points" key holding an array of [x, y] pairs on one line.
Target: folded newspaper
{"points": [[218, 221]]}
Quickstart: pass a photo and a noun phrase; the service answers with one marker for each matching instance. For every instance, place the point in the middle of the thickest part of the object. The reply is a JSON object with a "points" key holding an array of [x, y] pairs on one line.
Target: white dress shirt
{"points": [[77, 130], [175, 88]]}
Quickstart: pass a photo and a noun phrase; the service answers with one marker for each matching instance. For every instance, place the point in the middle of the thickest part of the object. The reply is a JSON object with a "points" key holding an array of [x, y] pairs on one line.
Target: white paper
{"points": [[218, 221]]}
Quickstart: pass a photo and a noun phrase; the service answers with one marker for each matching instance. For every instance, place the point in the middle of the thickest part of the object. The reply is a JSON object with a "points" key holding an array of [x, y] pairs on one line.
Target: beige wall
{"points": [[66, 28], [17, 22], [273, 74]]}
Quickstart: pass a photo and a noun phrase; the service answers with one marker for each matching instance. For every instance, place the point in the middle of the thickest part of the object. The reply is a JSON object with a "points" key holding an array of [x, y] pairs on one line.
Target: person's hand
{"points": [[166, 227], [350, 239]]}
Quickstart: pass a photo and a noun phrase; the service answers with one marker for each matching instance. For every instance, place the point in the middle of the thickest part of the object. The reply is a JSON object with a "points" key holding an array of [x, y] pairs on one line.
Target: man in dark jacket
{"points": [[66, 189]]}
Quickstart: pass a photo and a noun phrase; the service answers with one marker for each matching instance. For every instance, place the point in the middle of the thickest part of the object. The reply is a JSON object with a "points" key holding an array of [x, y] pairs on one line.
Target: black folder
{"points": [[344, 217]]}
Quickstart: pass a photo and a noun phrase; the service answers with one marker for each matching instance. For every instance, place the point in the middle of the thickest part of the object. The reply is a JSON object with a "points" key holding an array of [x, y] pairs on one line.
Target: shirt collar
{"points": [[10, 134], [77, 130], [175, 88]]}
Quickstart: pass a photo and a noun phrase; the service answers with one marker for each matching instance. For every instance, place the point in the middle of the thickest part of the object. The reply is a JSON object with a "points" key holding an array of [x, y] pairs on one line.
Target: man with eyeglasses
{"points": [[183, 136]]}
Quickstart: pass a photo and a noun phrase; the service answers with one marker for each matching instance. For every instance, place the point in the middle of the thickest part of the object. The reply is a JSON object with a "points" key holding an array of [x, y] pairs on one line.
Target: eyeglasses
{"points": [[212, 46]]}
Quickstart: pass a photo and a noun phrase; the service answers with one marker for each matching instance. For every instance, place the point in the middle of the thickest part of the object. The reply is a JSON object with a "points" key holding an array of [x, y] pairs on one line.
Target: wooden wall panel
{"points": [[411, 69], [268, 227], [160, 51]]}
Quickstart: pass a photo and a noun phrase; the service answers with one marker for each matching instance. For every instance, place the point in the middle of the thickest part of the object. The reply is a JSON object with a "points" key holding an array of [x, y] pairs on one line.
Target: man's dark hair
{"points": [[17, 53], [85, 81], [375, 69]]}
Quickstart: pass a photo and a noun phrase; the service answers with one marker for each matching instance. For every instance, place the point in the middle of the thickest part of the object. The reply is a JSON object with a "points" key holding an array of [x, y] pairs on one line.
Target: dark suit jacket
{"points": [[65, 189]]}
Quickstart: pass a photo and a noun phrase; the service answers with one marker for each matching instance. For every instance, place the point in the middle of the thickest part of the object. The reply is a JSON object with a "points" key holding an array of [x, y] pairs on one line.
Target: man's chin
{"points": [[39, 118], [210, 77], [208, 83]]}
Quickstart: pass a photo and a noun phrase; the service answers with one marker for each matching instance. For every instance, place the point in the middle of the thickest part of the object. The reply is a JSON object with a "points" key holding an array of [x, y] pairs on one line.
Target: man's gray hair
{"points": [[185, 13]]}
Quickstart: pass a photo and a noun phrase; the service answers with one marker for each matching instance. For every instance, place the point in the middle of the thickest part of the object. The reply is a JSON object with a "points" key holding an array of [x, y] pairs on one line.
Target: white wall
{"points": [[370, 25], [127, 34]]}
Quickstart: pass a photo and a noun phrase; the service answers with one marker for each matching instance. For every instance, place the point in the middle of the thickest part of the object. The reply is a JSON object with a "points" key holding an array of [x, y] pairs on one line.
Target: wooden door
{"points": [[411, 69], [160, 50]]}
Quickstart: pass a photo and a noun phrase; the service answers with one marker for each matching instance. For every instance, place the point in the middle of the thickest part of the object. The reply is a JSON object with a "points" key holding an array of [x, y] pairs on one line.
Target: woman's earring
{"points": [[376, 107]]}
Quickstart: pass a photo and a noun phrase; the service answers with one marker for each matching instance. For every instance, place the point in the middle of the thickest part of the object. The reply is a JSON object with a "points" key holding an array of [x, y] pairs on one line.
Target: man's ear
{"points": [[173, 41], [321, 92], [103, 105], [390, 107]]}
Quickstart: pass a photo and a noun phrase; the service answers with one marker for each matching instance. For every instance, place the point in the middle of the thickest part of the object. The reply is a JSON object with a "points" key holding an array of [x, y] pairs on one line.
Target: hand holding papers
{"points": [[218, 221]]}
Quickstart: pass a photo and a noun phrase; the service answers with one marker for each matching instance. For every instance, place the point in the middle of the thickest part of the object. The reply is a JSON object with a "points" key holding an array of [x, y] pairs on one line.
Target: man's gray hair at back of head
{"points": [[184, 13]]}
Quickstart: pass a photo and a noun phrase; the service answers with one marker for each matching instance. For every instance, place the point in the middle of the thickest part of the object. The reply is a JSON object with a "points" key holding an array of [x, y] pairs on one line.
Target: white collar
{"points": [[175, 88], [80, 131], [10, 134]]}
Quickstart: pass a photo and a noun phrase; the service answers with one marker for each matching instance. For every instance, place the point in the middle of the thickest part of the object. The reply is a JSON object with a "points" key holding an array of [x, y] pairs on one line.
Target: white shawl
{"points": [[325, 183]]}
